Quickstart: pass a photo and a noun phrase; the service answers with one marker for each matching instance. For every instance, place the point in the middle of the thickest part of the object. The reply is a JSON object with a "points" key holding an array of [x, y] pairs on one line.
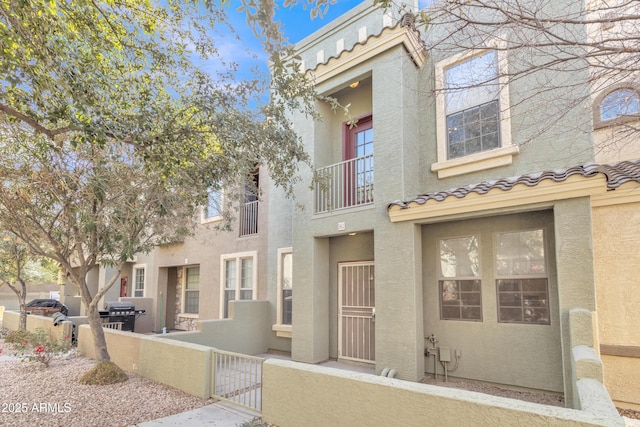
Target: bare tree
{"points": [[564, 54]]}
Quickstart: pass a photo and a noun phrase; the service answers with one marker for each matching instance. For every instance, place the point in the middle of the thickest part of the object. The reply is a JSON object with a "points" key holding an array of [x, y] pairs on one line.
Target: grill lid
{"points": [[119, 306]]}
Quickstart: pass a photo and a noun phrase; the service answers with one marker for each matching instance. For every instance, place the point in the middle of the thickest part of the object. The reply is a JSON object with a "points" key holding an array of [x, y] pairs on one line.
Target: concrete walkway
{"points": [[217, 414]]}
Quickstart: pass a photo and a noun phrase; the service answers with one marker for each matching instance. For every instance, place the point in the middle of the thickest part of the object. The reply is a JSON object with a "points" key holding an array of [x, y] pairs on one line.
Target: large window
{"points": [[139, 279], [192, 290], [473, 114], [238, 278], [460, 281], [471, 105], [521, 277]]}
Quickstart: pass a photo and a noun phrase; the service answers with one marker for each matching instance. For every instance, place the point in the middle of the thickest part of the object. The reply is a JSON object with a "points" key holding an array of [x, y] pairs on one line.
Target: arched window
{"points": [[621, 102]]}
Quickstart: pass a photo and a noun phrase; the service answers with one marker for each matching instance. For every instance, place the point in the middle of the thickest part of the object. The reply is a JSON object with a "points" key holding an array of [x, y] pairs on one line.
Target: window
{"points": [[473, 116], [192, 290], [139, 280], [471, 105], [521, 278], [213, 209], [621, 102], [285, 286], [238, 279], [460, 283], [248, 218]]}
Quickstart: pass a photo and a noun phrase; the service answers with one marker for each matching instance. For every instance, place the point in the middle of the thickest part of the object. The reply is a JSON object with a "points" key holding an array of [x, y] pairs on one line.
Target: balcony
{"points": [[248, 219], [344, 185]]}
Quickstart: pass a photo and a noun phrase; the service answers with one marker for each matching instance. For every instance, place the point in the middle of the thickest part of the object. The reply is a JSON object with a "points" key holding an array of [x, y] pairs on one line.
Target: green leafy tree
{"points": [[112, 133], [19, 268]]}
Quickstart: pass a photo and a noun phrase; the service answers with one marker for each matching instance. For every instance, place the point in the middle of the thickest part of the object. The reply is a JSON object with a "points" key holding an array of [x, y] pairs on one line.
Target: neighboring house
{"points": [[478, 230]]}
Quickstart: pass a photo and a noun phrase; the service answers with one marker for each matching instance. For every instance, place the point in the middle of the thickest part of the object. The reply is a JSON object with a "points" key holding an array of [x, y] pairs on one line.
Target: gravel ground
{"points": [[32, 395]]}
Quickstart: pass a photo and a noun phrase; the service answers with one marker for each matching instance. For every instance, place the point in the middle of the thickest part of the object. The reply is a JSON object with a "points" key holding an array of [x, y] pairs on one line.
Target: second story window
{"points": [[473, 114], [472, 105], [619, 103], [213, 209]]}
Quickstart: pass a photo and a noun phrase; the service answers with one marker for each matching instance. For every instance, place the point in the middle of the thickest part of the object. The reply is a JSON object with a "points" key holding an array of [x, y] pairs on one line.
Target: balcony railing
{"points": [[249, 218], [344, 185]]}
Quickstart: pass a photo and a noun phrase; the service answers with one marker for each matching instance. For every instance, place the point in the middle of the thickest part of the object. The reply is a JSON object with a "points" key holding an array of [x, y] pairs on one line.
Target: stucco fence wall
{"points": [[296, 394], [185, 366], [64, 330], [184, 359], [246, 331], [301, 394]]}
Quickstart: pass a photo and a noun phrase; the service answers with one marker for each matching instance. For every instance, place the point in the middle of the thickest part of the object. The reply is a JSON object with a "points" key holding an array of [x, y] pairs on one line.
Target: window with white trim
{"points": [[191, 290], [139, 279], [285, 286], [238, 279], [473, 115], [472, 107], [521, 278], [460, 282]]}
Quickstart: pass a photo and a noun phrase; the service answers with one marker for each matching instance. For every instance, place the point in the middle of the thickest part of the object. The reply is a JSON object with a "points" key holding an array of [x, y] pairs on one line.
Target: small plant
{"points": [[104, 373], [256, 422], [37, 346]]}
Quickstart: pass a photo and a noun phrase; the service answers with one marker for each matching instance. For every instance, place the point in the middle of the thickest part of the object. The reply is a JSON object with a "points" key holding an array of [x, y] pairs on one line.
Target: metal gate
{"points": [[237, 378], [356, 302]]}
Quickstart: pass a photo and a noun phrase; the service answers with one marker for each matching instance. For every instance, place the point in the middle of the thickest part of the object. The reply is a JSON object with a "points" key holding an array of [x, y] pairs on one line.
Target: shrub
{"points": [[104, 373], [37, 346]]}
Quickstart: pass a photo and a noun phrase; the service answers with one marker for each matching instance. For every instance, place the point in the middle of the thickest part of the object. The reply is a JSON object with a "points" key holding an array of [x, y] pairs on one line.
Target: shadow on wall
{"points": [[247, 331]]}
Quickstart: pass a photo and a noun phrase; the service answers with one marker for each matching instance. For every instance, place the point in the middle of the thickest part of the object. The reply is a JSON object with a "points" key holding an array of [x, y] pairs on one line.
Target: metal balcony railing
{"points": [[344, 185], [249, 219]]}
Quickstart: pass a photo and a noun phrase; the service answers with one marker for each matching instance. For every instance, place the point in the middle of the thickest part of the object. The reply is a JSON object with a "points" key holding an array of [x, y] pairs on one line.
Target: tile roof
{"points": [[616, 175], [403, 22]]}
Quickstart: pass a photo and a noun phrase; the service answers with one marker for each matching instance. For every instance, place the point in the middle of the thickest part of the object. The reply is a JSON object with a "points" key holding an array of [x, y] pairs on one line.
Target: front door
{"points": [[358, 162], [356, 302]]}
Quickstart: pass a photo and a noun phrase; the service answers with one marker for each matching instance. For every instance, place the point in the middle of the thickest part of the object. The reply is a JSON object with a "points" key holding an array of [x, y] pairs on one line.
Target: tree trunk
{"points": [[23, 315], [99, 340]]}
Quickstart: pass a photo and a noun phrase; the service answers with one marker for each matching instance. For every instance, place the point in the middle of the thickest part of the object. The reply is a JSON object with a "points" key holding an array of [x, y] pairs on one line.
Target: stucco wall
{"points": [[617, 264], [185, 366], [63, 331], [296, 394], [246, 331], [534, 355]]}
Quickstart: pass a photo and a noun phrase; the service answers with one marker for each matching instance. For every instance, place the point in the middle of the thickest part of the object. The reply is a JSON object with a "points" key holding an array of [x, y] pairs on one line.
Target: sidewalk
{"points": [[217, 414]]}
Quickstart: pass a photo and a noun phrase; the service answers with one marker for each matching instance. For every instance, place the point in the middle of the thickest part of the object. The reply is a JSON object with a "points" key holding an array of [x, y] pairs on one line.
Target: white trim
{"points": [[281, 329], [135, 268], [478, 161], [238, 257]]}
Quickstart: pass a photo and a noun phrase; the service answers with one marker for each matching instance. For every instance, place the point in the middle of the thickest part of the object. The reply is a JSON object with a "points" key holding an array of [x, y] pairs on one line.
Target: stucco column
{"points": [[574, 260], [310, 343], [399, 311]]}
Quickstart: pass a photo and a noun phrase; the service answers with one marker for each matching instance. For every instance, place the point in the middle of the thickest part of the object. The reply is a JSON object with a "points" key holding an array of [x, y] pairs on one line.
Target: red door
{"points": [[358, 162]]}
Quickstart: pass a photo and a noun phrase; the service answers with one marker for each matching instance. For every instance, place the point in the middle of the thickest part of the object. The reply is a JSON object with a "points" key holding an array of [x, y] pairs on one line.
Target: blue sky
{"points": [[296, 23]]}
